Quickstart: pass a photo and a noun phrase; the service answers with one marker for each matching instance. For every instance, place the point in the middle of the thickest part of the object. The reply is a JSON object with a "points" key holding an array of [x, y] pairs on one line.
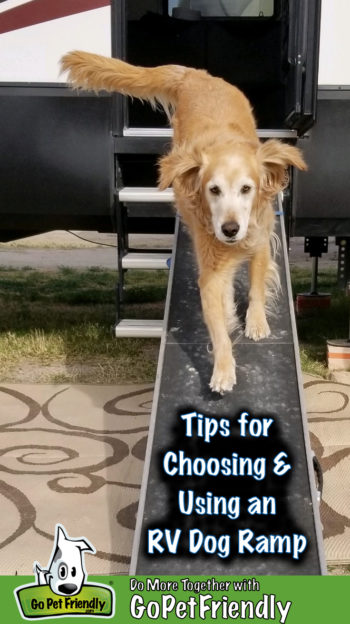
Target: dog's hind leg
{"points": [[257, 326], [213, 289]]}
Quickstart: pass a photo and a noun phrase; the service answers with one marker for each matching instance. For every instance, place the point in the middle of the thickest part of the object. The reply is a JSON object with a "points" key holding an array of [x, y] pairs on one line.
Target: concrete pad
{"points": [[53, 259], [53, 250], [62, 239]]}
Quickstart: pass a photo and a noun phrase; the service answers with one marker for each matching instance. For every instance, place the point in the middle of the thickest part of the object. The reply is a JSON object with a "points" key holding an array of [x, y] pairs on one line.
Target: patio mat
{"points": [[74, 455], [328, 408]]}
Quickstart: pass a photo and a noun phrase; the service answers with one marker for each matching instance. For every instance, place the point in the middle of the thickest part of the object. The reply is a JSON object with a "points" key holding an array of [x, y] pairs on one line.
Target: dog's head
{"points": [[232, 180], [66, 572]]}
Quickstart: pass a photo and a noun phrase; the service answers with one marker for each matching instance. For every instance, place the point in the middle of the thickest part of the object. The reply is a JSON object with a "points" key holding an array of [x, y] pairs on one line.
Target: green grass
{"points": [[56, 326], [62, 323], [325, 324]]}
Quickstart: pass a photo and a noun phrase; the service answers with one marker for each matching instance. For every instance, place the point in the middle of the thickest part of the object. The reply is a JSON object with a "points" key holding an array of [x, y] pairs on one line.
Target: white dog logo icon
{"points": [[65, 573]]}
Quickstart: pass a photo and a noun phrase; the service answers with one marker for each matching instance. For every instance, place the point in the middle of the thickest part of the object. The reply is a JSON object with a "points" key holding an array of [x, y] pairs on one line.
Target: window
{"points": [[222, 8]]}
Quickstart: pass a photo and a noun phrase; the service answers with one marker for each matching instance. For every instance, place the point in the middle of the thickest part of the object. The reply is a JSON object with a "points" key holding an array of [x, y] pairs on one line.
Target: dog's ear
{"points": [[180, 165], [275, 158], [61, 536], [84, 545]]}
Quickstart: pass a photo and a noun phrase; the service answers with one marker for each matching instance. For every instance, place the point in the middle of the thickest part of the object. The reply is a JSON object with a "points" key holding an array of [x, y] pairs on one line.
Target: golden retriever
{"points": [[224, 181]]}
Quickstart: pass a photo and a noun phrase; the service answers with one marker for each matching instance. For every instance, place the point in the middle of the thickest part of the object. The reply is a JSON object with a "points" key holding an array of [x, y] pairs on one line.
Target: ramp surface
{"points": [[268, 386]]}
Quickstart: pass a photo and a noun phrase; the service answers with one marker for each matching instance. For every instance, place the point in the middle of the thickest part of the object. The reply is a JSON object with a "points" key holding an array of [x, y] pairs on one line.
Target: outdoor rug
{"points": [[328, 408], [74, 455]]}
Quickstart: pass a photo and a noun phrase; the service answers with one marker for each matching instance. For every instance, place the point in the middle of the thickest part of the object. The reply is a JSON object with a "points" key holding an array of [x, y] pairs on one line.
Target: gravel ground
{"points": [[56, 249], [62, 249], [297, 256]]}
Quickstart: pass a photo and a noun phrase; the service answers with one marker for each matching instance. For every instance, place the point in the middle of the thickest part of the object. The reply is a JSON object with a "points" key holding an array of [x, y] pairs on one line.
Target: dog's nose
{"points": [[230, 229], [67, 588]]}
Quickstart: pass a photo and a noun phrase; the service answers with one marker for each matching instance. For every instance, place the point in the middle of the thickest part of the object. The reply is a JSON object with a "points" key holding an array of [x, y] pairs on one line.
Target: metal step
{"points": [[145, 194], [146, 260], [275, 133], [139, 328]]}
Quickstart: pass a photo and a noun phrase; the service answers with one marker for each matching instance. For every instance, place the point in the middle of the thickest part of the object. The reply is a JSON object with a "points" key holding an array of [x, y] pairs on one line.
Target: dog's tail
{"points": [[96, 73]]}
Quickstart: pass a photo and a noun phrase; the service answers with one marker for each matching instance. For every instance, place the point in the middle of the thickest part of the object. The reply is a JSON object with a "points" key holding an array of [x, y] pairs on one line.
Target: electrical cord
{"points": [[90, 241]]}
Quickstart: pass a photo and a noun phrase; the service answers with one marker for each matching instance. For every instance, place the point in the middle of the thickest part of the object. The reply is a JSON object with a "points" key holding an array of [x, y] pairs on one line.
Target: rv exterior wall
{"points": [[334, 68], [31, 54]]}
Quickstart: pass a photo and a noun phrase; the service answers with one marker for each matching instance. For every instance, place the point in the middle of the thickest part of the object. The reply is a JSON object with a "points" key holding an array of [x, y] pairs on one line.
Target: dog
{"points": [[65, 573], [224, 181]]}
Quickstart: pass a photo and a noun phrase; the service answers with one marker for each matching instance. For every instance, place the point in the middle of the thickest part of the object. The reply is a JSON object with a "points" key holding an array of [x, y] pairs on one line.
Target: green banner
{"points": [[291, 599]]}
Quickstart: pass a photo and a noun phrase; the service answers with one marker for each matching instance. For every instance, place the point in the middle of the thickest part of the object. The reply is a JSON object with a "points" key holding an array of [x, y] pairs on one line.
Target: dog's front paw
{"points": [[256, 326], [223, 378]]}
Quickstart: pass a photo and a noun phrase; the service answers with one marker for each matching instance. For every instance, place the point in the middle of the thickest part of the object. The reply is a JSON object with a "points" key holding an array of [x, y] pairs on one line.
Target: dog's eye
{"points": [[245, 189], [62, 571], [74, 571], [215, 190]]}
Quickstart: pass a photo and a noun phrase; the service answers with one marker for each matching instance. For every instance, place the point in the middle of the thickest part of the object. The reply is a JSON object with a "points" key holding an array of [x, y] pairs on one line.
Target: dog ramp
{"points": [[269, 523]]}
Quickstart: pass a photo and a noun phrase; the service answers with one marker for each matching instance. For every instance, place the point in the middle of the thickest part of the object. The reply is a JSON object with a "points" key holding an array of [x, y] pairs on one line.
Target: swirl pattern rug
{"points": [[328, 409], [74, 455]]}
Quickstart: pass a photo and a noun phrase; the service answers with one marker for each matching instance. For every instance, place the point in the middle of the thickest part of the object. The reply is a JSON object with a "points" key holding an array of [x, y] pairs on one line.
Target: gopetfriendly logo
{"points": [[60, 589]]}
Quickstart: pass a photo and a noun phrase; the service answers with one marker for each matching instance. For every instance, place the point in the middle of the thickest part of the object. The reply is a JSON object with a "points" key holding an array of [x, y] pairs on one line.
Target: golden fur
{"points": [[224, 181]]}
